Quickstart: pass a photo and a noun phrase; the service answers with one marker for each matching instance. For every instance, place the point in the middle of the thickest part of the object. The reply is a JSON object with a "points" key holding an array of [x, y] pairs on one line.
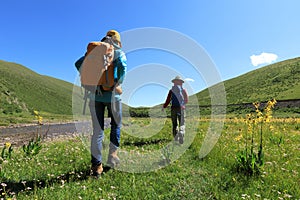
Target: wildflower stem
{"points": [[261, 132], [246, 142], [252, 140]]}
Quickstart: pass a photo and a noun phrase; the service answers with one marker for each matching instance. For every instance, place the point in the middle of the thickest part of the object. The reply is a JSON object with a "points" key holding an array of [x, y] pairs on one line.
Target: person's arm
{"points": [[121, 63], [168, 100], [186, 97]]}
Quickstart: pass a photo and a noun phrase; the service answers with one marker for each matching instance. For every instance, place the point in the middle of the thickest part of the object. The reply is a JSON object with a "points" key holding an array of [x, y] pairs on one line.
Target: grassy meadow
{"points": [[60, 170]]}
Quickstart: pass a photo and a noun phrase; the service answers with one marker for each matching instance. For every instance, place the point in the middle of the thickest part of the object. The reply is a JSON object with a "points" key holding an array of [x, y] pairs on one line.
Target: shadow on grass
{"points": [[12, 187], [145, 142]]}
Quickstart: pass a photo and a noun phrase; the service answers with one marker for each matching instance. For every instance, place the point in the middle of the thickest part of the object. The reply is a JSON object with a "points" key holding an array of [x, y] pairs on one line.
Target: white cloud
{"points": [[189, 80], [263, 58]]}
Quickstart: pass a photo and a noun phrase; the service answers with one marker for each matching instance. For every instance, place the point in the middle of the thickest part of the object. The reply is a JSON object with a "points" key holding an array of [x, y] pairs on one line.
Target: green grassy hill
{"points": [[279, 80], [22, 91]]}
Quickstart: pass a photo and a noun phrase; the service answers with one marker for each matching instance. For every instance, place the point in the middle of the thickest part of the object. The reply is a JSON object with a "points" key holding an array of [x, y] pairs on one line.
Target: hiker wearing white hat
{"points": [[178, 79], [178, 98]]}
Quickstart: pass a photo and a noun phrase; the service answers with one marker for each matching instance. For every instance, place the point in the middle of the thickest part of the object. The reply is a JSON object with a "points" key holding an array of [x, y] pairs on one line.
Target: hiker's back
{"points": [[177, 98]]}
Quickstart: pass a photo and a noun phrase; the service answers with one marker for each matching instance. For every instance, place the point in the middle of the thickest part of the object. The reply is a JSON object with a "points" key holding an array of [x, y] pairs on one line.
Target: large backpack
{"points": [[96, 67], [177, 98]]}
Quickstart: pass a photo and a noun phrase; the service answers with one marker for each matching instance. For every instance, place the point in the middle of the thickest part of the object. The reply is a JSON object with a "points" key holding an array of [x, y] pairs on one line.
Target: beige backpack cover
{"points": [[97, 68]]}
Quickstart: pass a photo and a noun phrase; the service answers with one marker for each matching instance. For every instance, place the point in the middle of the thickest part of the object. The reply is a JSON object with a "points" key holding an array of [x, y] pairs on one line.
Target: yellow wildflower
{"points": [[256, 105], [249, 128], [238, 138], [248, 117], [7, 145], [36, 113], [40, 119], [268, 118]]}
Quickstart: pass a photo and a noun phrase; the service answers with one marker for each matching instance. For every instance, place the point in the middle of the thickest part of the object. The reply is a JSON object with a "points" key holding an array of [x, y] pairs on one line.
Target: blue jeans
{"points": [[97, 110]]}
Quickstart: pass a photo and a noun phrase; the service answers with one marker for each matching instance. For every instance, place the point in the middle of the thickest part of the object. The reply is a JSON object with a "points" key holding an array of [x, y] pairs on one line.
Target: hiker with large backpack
{"points": [[102, 70], [178, 98]]}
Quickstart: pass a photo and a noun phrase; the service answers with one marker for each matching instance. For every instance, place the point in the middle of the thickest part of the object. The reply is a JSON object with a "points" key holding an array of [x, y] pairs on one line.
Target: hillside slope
{"points": [[22, 90], [279, 80]]}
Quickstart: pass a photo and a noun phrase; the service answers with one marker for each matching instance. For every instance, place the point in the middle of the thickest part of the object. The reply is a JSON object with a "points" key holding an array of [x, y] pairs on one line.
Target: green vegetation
{"points": [[279, 80], [249, 160], [61, 169], [22, 91], [6, 151], [33, 147], [244, 164]]}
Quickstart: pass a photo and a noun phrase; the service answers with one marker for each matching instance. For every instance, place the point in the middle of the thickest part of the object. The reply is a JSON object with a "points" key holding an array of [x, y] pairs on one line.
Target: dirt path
{"points": [[20, 135]]}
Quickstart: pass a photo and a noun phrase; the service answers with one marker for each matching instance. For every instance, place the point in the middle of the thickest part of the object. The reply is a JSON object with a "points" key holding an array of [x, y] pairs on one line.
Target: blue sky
{"points": [[238, 36]]}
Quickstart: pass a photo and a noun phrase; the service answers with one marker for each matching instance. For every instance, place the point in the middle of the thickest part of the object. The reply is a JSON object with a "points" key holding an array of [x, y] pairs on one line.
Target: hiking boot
{"points": [[176, 138], [180, 138], [113, 159], [181, 134], [175, 134], [97, 170]]}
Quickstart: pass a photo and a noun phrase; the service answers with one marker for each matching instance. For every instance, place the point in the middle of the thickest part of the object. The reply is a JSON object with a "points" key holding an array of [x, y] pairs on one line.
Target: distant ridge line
{"points": [[280, 103]]}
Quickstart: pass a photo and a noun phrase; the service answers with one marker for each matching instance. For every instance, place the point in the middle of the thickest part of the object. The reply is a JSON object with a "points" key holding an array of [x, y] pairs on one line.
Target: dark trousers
{"points": [[177, 116]]}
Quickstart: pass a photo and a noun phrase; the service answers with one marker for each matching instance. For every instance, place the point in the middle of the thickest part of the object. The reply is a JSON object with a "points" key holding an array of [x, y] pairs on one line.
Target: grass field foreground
{"points": [[61, 169]]}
